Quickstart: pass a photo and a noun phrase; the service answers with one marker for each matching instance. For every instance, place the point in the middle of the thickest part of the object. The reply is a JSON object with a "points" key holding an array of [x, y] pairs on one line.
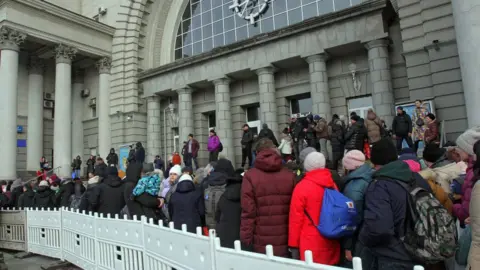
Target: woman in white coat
{"points": [[285, 146]]}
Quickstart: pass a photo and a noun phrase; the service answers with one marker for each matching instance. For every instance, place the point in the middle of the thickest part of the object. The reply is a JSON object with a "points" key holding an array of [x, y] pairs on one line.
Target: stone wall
{"points": [[432, 62]]}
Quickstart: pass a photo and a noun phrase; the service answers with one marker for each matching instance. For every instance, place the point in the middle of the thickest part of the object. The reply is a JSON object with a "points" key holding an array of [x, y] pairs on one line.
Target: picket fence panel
{"points": [[113, 243], [12, 230]]}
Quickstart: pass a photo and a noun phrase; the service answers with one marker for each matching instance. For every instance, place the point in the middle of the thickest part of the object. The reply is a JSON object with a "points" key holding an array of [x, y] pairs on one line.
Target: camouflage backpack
{"points": [[431, 232], [212, 196]]}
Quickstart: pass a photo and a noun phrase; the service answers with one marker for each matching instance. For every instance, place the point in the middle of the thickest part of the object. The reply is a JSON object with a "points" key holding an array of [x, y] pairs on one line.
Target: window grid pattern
{"points": [[207, 24]]}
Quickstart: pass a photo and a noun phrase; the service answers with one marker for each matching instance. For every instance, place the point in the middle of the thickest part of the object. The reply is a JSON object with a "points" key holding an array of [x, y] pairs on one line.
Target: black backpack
{"points": [[220, 147]]}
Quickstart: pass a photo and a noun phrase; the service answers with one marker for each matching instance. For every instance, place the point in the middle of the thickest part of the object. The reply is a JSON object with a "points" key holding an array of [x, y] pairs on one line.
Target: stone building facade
{"points": [[153, 71]]}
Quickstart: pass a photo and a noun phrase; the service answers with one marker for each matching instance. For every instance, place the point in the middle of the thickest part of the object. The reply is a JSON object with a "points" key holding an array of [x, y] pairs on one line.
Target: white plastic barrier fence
{"points": [[12, 230], [105, 243]]}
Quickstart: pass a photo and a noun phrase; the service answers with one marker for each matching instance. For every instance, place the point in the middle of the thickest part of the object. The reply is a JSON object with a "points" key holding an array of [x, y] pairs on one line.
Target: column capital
{"points": [[377, 43], [321, 57], [186, 90], [266, 70], [36, 65], [78, 75], [222, 81], [10, 39], [65, 54], [104, 65]]}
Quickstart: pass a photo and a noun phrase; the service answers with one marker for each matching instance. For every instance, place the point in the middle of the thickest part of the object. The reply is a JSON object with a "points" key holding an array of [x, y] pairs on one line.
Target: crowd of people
{"points": [[387, 206]]}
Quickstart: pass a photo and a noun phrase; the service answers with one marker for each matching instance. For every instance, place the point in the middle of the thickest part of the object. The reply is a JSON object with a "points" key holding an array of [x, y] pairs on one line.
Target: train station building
{"points": [[81, 77]]}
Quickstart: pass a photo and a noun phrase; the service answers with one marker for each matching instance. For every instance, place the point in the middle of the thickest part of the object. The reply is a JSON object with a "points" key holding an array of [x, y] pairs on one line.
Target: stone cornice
{"points": [[57, 11], [307, 25]]}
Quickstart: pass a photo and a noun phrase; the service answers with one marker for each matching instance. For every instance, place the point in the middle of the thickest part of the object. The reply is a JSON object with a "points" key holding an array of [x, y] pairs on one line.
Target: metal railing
{"points": [[93, 242]]}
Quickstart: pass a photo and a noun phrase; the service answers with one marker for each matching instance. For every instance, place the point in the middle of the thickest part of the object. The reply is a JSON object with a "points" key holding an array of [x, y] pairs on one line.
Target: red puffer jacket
{"points": [[266, 194], [308, 196]]}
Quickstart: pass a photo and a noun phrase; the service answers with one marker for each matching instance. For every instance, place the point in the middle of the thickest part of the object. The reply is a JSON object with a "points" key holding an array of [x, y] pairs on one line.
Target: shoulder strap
{"points": [[309, 217]]}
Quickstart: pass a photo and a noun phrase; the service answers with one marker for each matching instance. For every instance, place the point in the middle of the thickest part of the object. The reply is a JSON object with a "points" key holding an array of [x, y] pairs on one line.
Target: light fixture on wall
{"points": [[357, 85], [436, 45], [129, 117]]}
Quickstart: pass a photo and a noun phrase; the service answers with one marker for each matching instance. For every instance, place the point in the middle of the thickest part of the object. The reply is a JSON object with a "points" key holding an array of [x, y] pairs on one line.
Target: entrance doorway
{"points": [[252, 115], [360, 105]]}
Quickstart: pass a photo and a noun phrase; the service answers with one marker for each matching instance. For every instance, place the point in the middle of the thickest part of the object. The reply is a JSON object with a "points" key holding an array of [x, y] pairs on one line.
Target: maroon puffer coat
{"points": [[266, 194]]}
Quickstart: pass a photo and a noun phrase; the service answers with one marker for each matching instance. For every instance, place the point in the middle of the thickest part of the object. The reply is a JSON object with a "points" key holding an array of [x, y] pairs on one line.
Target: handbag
{"points": [[464, 243]]}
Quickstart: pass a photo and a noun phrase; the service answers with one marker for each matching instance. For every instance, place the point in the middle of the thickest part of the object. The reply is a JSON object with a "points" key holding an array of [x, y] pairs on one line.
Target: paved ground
{"points": [[31, 263]]}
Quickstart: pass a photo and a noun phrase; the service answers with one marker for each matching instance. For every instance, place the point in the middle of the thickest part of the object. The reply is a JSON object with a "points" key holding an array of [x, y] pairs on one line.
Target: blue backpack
{"points": [[338, 216]]}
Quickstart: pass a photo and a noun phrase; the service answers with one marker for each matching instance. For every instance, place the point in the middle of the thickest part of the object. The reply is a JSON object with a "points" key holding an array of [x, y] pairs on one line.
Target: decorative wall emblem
{"points": [[250, 10], [357, 85]]}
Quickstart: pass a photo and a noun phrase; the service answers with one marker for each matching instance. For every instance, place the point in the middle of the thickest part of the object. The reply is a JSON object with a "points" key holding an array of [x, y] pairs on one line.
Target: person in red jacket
{"points": [[265, 199], [308, 196]]}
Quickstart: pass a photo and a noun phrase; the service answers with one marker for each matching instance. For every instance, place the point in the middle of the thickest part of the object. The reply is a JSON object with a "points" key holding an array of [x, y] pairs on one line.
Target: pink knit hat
{"points": [[353, 159], [414, 165]]}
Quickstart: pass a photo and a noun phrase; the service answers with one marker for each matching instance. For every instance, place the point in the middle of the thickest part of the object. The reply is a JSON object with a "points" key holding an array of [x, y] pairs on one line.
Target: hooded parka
{"points": [[266, 193], [111, 199], [303, 234]]}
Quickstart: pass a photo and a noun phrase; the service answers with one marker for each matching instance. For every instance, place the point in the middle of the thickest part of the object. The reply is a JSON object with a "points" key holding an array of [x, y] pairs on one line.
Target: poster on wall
{"points": [[409, 108], [123, 156]]}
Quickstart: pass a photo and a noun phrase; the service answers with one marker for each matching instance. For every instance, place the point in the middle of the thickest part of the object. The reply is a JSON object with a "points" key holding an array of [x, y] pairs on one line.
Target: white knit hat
{"points": [[314, 161], [468, 139], [185, 177], [176, 170], [43, 183]]}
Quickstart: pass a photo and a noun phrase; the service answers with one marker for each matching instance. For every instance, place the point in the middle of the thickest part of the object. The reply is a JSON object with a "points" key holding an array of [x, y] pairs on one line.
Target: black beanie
{"points": [[432, 152], [112, 170], [383, 152]]}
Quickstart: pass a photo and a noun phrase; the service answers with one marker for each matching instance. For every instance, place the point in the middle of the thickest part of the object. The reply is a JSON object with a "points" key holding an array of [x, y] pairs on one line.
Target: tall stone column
{"points": [[35, 113], [62, 124], [224, 117], [77, 113], [154, 130], [268, 100], [466, 14], [317, 65], [10, 39], [381, 78], [185, 113], [103, 107]]}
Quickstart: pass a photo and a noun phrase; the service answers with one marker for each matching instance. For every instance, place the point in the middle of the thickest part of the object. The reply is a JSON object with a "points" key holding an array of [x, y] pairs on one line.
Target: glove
{"points": [[295, 253]]}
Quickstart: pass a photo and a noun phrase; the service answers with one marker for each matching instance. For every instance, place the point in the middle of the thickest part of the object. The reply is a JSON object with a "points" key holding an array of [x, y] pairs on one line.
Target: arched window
{"points": [[207, 24]]}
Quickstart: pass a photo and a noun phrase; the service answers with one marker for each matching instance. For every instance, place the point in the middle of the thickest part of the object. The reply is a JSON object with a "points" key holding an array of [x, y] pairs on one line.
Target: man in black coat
{"points": [[402, 128], [247, 141], [65, 191], [26, 199], [267, 133], [229, 212], [385, 211], [44, 197], [356, 134], [112, 158], [111, 199], [131, 155], [91, 164], [337, 138], [100, 168], [298, 127], [139, 153]]}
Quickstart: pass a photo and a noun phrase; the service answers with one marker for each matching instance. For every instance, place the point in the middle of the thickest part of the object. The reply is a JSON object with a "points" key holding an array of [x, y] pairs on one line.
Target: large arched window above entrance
{"points": [[207, 24]]}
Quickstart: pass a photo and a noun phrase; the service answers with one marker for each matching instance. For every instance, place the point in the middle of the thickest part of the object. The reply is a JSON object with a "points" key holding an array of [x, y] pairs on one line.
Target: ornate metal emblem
{"points": [[250, 10]]}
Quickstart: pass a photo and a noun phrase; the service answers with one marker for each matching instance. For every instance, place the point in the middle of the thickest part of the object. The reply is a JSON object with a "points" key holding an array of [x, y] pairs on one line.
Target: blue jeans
{"points": [[77, 173]]}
